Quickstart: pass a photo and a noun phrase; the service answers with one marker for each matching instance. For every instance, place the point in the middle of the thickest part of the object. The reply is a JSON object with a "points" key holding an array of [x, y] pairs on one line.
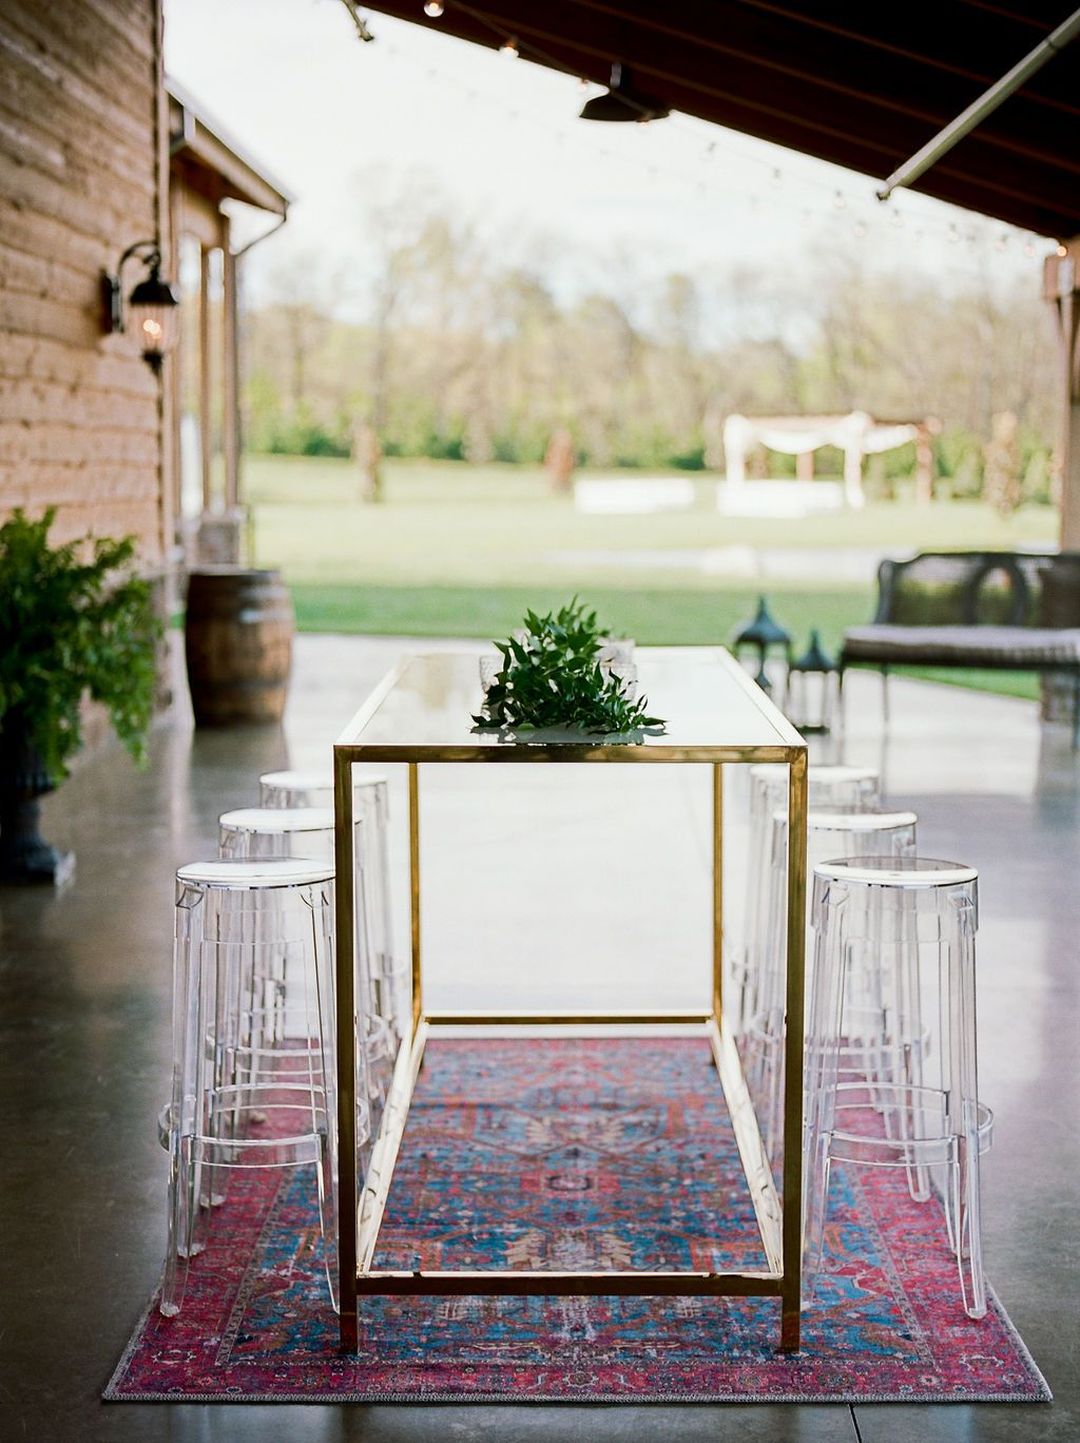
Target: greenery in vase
{"points": [[551, 677], [70, 626]]}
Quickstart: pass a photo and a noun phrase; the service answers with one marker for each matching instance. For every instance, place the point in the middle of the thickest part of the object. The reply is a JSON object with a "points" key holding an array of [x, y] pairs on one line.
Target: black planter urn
{"points": [[24, 854]]}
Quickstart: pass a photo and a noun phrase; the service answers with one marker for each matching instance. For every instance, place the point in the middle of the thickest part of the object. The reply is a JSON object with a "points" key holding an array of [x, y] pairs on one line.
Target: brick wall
{"points": [[81, 167]]}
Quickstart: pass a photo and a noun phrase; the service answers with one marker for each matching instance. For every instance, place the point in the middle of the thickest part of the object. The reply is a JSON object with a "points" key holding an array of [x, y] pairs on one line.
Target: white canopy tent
{"points": [[856, 434]]}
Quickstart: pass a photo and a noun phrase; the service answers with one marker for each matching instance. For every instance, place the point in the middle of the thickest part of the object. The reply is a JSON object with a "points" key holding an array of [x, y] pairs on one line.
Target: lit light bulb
{"points": [[1001, 242], [433, 8], [1029, 249], [152, 330], [838, 200], [954, 235], [1062, 251], [897, 219], [509, 48]]}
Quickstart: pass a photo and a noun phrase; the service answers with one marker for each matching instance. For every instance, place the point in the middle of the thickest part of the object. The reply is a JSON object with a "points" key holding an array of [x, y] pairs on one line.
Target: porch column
{"points": [[1060, 288], [206, 424], [231, 378], [1061, 588]]}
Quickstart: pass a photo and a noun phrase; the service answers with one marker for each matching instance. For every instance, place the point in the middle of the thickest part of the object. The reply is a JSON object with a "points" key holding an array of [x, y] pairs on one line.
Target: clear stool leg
{"points": [[825, 1034], [964, 1085], [183, 1204]]}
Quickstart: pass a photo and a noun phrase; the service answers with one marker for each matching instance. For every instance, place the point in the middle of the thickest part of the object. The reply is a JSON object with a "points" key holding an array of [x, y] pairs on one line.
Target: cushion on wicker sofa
{"points": [[1005, 646]]}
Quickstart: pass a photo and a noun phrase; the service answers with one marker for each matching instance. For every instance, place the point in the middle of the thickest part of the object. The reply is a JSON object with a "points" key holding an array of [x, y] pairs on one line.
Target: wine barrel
{"points": [[238, 644]]}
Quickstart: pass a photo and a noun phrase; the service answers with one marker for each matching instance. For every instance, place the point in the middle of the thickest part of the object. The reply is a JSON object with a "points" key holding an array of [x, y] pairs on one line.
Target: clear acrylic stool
{"points": [[264, 832], [312, 788], [254, 1072], [371, 790], [261, 833], [849, 789], [828, 835], [913, 921]]}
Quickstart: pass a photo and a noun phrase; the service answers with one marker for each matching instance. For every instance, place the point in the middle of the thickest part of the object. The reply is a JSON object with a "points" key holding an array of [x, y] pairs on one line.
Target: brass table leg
{"points": [[791, 1296], [345, 961]]}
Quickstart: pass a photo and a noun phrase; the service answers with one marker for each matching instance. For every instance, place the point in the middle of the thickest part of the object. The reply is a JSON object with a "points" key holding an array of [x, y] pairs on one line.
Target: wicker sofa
{"points": [[1007, 610]]}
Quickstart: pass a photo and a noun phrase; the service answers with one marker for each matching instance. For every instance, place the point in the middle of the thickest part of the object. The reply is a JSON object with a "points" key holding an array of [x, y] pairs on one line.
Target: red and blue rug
{"points": [[574, 1154]]}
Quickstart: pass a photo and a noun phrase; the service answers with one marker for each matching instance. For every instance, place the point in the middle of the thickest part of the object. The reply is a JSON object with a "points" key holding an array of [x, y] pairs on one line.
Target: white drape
{"points": [[856, 435]]}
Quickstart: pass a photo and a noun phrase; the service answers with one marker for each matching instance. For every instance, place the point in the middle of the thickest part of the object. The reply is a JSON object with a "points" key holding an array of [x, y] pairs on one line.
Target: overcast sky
{"points": [[291, 83]]}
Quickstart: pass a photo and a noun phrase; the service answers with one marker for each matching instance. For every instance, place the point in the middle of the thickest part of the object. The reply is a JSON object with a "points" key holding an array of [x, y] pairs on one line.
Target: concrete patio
{"points": [[85, 979]]}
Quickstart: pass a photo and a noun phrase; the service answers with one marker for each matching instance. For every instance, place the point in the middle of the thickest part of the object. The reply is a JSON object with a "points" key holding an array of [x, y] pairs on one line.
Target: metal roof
{"points": [[861, 85]]}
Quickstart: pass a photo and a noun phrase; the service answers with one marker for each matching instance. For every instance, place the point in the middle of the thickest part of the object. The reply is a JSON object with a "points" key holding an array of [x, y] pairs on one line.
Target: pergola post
{"points": [[853, 488]]}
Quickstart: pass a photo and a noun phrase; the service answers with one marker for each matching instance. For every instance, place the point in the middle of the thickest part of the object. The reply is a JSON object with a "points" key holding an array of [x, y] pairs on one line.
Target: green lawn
{"points": [[459, 550]]}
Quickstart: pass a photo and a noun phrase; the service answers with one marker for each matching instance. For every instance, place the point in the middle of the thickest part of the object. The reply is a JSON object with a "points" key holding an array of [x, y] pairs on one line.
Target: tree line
{"points": [[462, 352]]}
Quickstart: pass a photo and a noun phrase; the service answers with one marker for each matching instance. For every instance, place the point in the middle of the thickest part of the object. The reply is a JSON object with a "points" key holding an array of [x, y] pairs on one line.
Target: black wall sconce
{"points": [[152, 308]]}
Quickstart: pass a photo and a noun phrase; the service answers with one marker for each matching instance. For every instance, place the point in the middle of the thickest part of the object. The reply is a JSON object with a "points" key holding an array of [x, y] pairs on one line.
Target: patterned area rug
{"points": [[574, 1154]]}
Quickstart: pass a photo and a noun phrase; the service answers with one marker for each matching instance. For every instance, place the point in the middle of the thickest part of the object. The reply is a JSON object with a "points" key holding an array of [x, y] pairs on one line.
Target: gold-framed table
{"points": [[421, 714]]}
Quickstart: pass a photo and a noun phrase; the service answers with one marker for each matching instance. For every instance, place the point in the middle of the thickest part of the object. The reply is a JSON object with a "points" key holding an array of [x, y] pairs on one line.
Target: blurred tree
{"points": [[465, 347]]}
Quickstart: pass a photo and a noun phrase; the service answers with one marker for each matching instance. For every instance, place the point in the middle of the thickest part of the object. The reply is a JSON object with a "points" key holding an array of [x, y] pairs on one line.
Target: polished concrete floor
{"points": [[84, 1056]]}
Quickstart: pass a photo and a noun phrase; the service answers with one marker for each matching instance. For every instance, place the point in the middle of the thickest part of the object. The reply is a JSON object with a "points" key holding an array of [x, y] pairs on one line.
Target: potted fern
{"points": [[74, 620]]}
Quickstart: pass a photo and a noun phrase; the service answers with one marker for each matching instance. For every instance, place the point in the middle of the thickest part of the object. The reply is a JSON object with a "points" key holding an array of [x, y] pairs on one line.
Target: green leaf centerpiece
{"points": [[561, 673]]}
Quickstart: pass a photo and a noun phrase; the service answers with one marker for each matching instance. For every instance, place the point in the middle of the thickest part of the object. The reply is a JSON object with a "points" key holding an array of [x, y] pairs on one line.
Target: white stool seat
{"points": [[898, 871], [315, 785], [828, 820], [288, 872], [278, 819]]}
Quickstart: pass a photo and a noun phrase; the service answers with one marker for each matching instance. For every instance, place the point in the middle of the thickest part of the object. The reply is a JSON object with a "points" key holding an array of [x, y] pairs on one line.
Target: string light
{"points": [[1062, 250], [433, 8], [779, 180]]}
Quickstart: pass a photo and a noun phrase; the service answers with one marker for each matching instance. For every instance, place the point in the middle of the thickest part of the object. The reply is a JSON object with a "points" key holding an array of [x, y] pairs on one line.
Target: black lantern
{"points": [[812, 695], [152, 307], [762, 635]]}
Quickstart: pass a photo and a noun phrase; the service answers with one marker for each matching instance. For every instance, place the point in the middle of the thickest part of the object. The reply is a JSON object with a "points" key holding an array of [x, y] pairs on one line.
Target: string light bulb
{"points": [[509, 48], [954, 235], [839, 201], [433, 8], [1029, 249], [1062, 250]]}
